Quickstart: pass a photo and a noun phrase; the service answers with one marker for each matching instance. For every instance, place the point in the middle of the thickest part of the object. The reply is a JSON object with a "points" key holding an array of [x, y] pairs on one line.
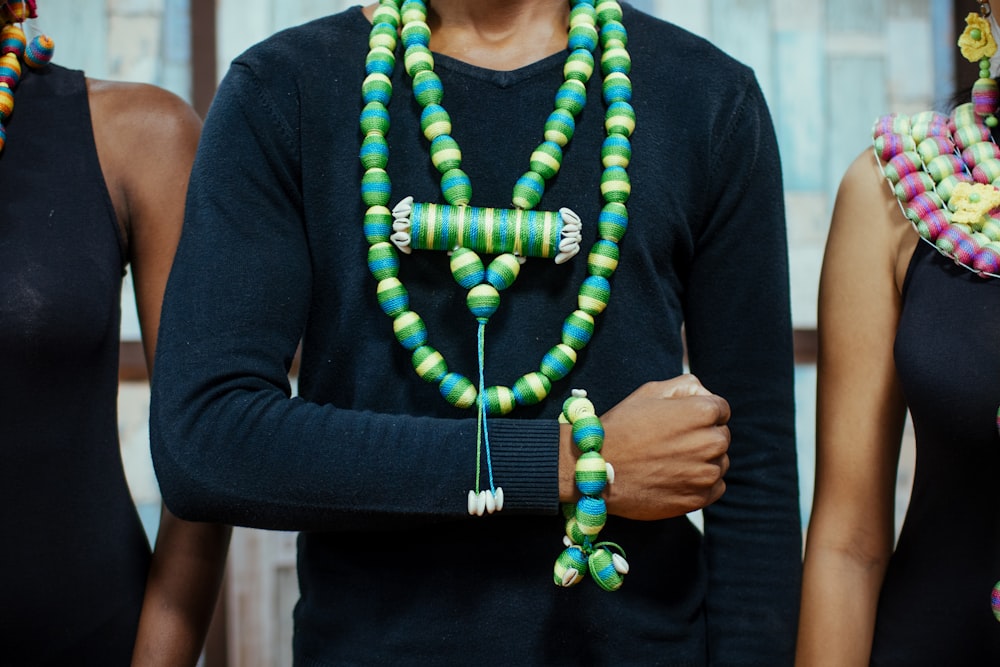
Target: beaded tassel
{"points": [[464, 230]]}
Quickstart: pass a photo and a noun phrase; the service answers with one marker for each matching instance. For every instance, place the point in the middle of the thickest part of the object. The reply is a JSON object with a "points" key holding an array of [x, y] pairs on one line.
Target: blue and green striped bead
{"points": [[416, 33], [429, 364], [499, 400], [410, 330], [388, 14], [482, 301], [376, 88], [616, 151], [571, 96], [383, 260], [434, 121], [445, 153], [374, 152], [392, 297], [546, 159], [613, 34], [602, 568], [467, 268], [615, 59], [528, 190], [456, 187], [558, 362], [376, 188], [377, 224], [383, 35], [603, 258], [559, 127], [531, 388], [579, 65], [571, 558], [374, 119], [503, 271], [458, 390], [619, 118], [608, 11], [578, 329], [413, 10], [591, 514], [617, 87], [582, 36], [588, 433], [594, 294], [582, 13], [573, 531], [612, 223], [418, 59], [591, 473], [615, 185], [427, 88], [380, 60]]}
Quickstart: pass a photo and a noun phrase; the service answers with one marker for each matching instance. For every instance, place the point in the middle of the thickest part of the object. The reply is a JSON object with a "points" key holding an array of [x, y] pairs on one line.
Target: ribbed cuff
{"points": [[526, 464]]}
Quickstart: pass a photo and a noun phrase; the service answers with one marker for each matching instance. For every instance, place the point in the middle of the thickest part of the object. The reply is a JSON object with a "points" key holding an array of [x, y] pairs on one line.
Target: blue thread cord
{"points": [[484, 434]]}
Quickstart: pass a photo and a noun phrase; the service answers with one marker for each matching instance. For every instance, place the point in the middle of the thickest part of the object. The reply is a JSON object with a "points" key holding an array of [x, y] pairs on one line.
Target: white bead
{"points": [[472, 503], [611, 472], [566, 541], [491, 502], [621, 565], [499, 498], [481, 503]]}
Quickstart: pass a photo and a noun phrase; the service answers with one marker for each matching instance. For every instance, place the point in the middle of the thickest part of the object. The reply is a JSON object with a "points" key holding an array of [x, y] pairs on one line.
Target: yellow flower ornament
{"points": [[977, 42], [971, 203]]}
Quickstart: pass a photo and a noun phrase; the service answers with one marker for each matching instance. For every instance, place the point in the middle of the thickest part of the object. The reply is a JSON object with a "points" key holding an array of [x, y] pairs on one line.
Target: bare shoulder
{"points": [[141, 112]]}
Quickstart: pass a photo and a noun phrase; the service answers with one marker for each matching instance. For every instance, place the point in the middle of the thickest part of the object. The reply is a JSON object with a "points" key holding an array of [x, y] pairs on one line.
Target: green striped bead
{"points": [[573, 531], [531, 388], [579, 65], [376, 88], [595, 292], [601, 565], [582, 36], [991, 227], [418, 59], [413, 10], [386, 14], [591, 514], [410, 330], [571, 96], [591, 473], [613, 34], [503, 271], [416, 33], [377, 224], [445, 153], [374, 152], [456, 187], [392, 297], [617, 87], [429, 364], [499, 400], [434, 121], [458, 390], [558, 362], [380, 60], [615, 185], [582, 13], [616, 151], [607, 11], [588, 433], [616, 59], [528, 190], [578, 329], [375, 187], [571, 558], [603, 258], [482, 301], [546, 159], [382, 34], [467, 268], [427, 88], [383, 260], [612, 222], [374, 119], [619, 118], [559, 127]]}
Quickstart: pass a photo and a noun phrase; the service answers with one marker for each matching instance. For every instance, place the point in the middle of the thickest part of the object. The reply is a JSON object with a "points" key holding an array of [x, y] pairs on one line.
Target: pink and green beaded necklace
{"points": [[511, 235]]}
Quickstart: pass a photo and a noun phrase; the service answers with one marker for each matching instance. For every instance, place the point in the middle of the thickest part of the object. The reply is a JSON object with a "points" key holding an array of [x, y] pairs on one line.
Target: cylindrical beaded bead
{"points": [[591, 514], [558, 362], [615, 185], [603, 258], [374, 118], [617, 87], [380, 60], [594, 294], [482, 301], [945, 165], [374, 152], [911, 185], [410, 330], [445, 153], [571, 96], [499, 400], [531, 388], [383, 261], [578, 329], [429, 364], [376, 88], [579, 65], [528, 190], [582, 36], [503, 271], [392, 297], [467, 268], [458, 390], [376, 188], [456, 187], [591, 473], [546, 159], [616, 151], [588, 433], [434, 121], [559, 127], [620, 118], [418, 59]]}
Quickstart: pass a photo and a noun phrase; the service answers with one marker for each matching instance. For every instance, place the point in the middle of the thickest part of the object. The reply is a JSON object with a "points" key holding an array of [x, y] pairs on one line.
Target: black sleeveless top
{"points": [[935, 602], [74, 557]]}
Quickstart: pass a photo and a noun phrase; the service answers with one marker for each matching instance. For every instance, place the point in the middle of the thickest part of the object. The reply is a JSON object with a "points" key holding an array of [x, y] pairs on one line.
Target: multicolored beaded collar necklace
{"points": [[944, 171], [15, 50], [511, 235]]}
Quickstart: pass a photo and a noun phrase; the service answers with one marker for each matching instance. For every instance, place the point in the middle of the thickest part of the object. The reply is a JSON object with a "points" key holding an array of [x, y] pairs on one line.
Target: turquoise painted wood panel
{"points": [[80, 33], [798, 107], [856, 98], [855, 15], [742, 28]]}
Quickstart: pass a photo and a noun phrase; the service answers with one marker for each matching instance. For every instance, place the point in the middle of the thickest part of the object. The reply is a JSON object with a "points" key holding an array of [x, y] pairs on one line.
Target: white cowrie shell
{"points": [[621, 565], [611, 472], [481, 503], [499, 498], [472, 503], [491, 502], [570, 576]]}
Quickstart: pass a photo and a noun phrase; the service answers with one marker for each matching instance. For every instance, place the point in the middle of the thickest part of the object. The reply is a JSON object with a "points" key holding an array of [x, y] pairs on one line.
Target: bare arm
{"points": [[860, 413], [146, 139]]}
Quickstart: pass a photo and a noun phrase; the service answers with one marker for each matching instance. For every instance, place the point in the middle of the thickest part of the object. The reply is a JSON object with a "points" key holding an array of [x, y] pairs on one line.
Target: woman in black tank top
{"points": [[92, 179]]}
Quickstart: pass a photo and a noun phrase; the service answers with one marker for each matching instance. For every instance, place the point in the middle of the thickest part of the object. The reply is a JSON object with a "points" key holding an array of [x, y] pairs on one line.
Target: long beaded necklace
{"points": [[15, 49], [511, 235], [944, 171]]}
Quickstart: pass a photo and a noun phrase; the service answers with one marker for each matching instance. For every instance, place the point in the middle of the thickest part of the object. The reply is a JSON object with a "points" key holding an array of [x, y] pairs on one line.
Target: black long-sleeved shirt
{"points": [[373, 465]]}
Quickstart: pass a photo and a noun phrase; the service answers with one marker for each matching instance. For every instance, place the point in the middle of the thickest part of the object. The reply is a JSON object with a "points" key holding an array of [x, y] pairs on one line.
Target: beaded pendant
{"points": [[511, 235]]}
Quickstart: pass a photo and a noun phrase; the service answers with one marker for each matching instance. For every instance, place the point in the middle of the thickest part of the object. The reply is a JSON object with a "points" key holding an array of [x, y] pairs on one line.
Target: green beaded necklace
{"points": [[509, 234]]}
